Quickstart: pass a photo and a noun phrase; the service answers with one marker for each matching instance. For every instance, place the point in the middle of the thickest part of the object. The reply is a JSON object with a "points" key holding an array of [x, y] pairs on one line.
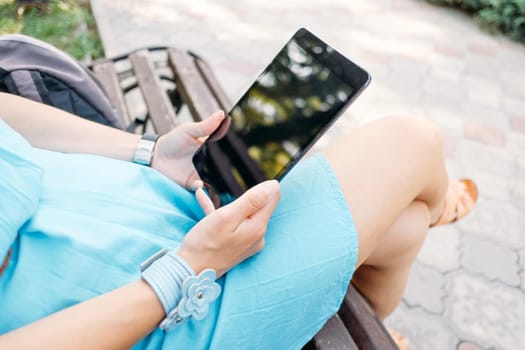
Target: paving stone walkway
{"points": [[467, 288]]}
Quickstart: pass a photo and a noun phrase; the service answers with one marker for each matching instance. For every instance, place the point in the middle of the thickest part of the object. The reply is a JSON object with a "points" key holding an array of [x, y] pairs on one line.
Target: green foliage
{"points": [[67, 24], [507, 16]]}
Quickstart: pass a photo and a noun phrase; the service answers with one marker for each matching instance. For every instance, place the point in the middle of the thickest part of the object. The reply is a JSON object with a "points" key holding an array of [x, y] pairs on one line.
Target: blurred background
{"points": [[459, 63]]}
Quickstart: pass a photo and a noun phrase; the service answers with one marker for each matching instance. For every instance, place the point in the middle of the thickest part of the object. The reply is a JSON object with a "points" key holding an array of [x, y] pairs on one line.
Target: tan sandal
{"points": [[401, 341], [461, 197]]}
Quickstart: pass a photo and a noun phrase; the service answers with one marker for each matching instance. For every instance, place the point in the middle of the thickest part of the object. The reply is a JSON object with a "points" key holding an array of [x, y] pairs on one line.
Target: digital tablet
{"points": [[279, 118]]}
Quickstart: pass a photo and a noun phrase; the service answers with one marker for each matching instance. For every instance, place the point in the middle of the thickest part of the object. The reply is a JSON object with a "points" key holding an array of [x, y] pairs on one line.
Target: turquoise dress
{"points": [[79, 226]]}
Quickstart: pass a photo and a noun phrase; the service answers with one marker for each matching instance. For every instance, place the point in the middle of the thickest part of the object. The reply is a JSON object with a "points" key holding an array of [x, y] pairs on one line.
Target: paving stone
{"points": [[425, 288], [472, 80], [444, 111], [423, 330], [489, 314], [448, 50], [450, 146], [485, 49], [410, 65], [495, 160], [517, 196], [496, 220], [446, 63], [512, 104], [482, 66], [468, 346], [517, 124], [522, 268], [485, 97], [444, 87], [487, 115], [484, 133], [483, 91], [441, 248], [516, 144], [520, 167], [492, 260], [510, 85], [511, 55], [405, 84], [450, 75]]}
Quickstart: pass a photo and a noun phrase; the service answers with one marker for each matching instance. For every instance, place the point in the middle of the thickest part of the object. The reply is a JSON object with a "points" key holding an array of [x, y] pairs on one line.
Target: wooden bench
{"points": [[176, 85]]}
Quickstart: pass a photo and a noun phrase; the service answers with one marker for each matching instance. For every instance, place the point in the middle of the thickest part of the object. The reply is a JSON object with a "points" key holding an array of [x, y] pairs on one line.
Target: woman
{"points": [[78, 218]]}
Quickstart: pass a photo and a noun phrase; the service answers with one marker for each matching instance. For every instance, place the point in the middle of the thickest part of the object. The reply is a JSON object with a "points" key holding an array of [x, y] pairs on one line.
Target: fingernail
{"points": [[270, 187], [196, 185]]}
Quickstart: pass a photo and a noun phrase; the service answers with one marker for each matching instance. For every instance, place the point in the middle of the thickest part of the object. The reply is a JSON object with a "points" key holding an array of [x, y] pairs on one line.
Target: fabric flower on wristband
{"points": [[198, 292]]}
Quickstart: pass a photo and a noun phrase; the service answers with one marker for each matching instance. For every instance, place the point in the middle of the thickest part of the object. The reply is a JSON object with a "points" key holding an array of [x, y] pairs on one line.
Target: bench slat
{"points": [[191, 85], [361, 321], [107, 75], [250, 168], [334, 336], [214, 86], [159, 106]]}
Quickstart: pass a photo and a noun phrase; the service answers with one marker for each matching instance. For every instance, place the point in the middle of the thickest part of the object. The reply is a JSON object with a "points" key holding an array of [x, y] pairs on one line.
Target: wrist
{"points": [[192, 260], [199, 264]]}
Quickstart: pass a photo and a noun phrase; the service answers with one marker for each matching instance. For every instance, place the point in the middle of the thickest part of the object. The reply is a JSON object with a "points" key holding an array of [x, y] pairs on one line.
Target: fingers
{"points": [[257, 222], [204, 201], [232, 233], [205, 127], [262, 197], [254, 227], [195, 184]]}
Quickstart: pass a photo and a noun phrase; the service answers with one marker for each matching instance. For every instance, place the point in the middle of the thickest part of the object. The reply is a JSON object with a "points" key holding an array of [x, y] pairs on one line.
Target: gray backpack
{"points": [[36, 70]]}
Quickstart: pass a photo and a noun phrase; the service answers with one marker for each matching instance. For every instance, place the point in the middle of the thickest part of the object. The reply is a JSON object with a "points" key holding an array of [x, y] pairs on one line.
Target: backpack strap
{"points": [[27, 84]]}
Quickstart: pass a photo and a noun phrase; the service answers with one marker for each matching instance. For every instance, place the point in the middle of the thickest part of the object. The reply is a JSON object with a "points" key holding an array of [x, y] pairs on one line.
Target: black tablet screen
{"points": [[279, 116], [287, 107]]}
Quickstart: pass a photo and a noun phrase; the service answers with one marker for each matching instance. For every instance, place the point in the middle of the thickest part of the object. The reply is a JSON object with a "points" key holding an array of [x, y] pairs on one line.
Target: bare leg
{"points": [[384, 274], [383, 168]]}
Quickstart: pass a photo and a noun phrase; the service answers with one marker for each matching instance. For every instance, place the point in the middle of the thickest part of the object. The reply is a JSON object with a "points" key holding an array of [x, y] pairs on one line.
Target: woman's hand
{"points": [[232, 233], [174, 150]]}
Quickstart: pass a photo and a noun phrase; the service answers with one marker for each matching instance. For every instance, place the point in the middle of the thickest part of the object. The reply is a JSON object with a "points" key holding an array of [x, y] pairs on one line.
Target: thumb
{"points": [[205, 127], [251, 202]]}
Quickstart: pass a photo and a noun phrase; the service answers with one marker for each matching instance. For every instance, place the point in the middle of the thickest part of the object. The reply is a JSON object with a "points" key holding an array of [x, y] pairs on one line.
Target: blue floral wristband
{"points": [[181, 293]]}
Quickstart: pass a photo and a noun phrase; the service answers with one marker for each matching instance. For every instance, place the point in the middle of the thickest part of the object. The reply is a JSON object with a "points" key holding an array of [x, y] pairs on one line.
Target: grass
{"points": [[67, 24], [505, 16]]}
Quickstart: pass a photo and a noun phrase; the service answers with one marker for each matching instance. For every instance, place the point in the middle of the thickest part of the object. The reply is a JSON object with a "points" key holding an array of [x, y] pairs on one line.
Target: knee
{"points": [[421, 133]]}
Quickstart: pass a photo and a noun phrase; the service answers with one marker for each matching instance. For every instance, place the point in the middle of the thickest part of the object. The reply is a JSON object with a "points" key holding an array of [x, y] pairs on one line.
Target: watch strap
{"points": [[144, 151]]}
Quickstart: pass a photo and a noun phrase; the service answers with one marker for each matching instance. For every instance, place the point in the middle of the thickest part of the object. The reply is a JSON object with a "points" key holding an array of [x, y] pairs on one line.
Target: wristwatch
{"points": [[144, 152]]}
